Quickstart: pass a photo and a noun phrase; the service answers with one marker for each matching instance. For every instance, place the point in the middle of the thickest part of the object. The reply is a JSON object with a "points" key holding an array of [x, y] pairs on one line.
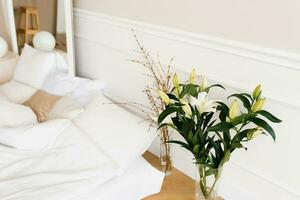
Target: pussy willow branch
{"points": [[161, 81]]}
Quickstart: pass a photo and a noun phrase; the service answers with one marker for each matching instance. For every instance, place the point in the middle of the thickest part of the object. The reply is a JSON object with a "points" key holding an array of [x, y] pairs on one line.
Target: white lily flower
{"points": [[202, 103]]}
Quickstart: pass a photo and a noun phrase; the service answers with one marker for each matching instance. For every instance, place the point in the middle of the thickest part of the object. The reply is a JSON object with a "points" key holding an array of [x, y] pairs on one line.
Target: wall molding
{"points": [[282, 59], [255, 52]]}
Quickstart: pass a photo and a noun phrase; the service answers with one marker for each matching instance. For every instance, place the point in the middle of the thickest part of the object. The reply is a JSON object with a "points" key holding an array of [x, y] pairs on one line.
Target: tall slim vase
{"points": [[206, 183], [165, 152]]}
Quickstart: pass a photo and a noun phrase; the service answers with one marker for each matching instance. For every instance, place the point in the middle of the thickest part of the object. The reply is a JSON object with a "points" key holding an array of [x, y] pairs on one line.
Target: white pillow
{"points": [[17, 92], [33, 137], [115, 130], [34, 66], [88, 90], [82, 90], [14, 115], [65, 107], [61, 83]]}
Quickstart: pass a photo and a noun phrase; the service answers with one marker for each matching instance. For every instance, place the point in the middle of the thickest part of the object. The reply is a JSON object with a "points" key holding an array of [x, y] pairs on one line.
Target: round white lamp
{"points": [[3, 47], [44, 41]]}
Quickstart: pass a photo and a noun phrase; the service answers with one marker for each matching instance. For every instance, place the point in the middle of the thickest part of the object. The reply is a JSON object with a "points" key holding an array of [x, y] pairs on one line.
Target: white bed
{"points": [[139, 181], [87, 149]]}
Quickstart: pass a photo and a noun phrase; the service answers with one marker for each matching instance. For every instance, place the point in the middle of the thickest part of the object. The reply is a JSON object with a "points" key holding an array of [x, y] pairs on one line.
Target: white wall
{"points": [[271, 23], [267, 170], [3, 25]]}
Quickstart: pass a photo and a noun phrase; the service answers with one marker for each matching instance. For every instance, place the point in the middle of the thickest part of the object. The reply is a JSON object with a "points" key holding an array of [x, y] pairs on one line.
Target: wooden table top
{"points": [[178, 186]]}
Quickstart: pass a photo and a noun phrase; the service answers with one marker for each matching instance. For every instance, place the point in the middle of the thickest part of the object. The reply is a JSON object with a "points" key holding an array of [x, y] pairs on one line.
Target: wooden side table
{"points": [[7, 66], [178, 186]]}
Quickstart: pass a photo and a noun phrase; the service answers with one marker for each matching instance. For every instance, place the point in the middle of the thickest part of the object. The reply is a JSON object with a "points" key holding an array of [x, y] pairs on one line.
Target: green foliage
{"points": [[209, 134]]}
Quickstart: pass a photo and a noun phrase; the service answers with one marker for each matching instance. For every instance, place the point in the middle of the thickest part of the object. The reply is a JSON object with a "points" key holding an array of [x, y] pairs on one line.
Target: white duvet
{"points": [[62, 159], [67, 167]]}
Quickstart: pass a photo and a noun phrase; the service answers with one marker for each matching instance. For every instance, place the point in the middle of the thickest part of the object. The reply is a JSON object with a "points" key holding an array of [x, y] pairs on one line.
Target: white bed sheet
{"points": [[139, 181]]}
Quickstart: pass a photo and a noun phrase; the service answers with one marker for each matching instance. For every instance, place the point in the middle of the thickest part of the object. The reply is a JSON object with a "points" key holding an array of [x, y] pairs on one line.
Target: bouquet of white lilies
{"points": [[212, 130]]}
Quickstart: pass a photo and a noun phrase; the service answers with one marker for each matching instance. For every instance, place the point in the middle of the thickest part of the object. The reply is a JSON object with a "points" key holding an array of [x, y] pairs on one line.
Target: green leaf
{"points": [[215, 85], [220, 127], [222, 106], [213, 159], [227, 139], [186, 126], [196, 149], [195, 139], [224, 111], [218, 149], [190, 136], [190, 89], [166, 112], [236, 146], [169, 125], [264, 125], [269, 116], [177, 123], [172, 96], [185, 145], [207, 120], [247, 95], [241, 135], [244, 99]]}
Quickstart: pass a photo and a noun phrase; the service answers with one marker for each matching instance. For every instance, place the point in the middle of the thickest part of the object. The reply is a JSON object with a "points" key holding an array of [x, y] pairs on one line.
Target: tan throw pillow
{"points": [[41, 103]]}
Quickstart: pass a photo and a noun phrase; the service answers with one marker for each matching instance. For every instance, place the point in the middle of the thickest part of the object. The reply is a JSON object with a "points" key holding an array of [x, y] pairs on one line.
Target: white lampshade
{"points": [[3, 47], [44, 41]]}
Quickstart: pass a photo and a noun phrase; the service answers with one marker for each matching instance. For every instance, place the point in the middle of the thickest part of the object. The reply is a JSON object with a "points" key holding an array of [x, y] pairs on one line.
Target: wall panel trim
{"points": [[282, 59]]}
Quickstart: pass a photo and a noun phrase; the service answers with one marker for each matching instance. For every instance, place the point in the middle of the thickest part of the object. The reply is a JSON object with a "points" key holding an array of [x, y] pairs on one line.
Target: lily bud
{"points": [[254, 132], [234, 110], [258, 105], [186, 107], [203, 84], [164, 97], [193, 77], [256, 92], [175, 80]]}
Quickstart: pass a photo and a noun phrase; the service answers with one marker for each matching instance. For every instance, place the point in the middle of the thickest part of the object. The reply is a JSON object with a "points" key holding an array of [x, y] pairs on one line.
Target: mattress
{"points": [[139, 181]]}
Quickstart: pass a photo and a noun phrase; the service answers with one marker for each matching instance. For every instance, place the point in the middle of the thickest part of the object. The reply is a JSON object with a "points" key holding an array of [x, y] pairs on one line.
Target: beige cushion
{"points": [[41, 103]]}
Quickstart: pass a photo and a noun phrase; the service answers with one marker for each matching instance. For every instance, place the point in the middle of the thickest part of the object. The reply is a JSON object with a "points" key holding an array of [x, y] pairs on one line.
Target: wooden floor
{"points": [[178, 186]]}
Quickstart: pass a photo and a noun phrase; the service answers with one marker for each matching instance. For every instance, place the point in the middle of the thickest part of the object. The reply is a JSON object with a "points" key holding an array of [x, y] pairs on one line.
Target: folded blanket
{"points": [[69, 166]]}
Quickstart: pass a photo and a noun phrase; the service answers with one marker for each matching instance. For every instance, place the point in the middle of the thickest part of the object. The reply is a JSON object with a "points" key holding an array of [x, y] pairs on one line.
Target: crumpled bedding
{"points": [[71, 165]]}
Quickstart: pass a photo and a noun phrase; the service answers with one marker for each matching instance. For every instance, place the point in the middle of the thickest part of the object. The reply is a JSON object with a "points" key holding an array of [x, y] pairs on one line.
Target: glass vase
{"points": [[165, 152], [206, 183]]}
